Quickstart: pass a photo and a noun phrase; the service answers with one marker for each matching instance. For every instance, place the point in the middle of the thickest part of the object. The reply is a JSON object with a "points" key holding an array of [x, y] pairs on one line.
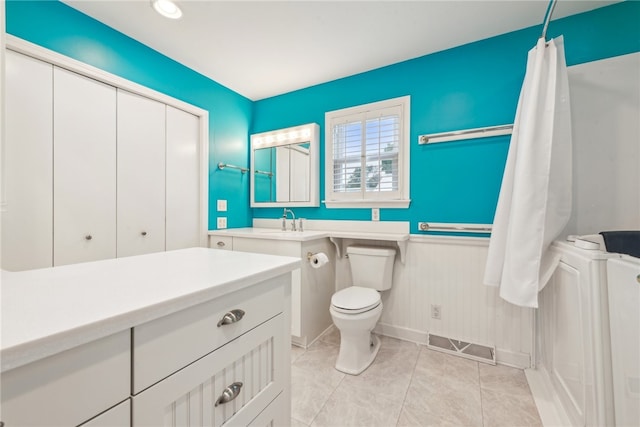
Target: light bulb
{"points": [[167, 8]]}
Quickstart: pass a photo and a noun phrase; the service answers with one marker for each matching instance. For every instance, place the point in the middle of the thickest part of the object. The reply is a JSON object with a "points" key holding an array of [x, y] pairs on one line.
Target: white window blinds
{"points": [[366, 154]]}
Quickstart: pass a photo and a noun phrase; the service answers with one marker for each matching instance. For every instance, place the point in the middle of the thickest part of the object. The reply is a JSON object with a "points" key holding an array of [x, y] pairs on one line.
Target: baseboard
{"points": [[513, 359], [548, 405], [406, 334], [503, 357]]}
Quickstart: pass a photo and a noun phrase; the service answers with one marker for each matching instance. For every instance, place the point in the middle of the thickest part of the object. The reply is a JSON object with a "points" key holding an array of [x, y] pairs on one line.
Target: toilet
{"points": [[356, 310]]}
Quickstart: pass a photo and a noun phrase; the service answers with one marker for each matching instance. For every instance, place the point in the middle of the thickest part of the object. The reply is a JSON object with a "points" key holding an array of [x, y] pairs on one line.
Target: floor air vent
{"points": [[476, 352]]}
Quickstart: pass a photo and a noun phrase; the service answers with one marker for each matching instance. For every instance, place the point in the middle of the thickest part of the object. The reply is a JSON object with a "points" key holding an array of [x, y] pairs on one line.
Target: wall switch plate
{"points": [[222, 222], [222, 206], [375, 214]]}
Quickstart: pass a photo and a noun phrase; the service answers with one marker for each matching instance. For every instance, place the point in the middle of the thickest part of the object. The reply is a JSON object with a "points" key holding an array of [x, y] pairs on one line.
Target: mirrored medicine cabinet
{"points": [[285, 167]]}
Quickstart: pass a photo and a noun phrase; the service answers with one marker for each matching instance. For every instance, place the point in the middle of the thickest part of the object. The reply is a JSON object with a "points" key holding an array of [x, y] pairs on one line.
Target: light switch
{"points": [[222, 222], [222, 206], [375, 214]]}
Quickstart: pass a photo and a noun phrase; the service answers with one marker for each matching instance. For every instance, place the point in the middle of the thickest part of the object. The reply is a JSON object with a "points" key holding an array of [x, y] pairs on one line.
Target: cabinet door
{"points": [[256, 359], [141, 163], [183, 180], [84, 169], [27, 223]]}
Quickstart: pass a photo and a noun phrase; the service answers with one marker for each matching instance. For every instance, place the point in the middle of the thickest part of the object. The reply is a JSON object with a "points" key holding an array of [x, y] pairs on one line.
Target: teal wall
{"points": [[469, 86], [60, 28], [474, 85]]}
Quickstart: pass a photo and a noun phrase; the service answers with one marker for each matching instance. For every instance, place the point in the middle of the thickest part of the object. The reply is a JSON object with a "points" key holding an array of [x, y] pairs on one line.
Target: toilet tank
{"points": [[371, 267]]}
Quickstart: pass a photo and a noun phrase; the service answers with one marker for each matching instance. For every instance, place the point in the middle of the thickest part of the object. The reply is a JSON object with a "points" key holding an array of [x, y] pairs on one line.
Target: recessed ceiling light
{"points": [[167, 8]]}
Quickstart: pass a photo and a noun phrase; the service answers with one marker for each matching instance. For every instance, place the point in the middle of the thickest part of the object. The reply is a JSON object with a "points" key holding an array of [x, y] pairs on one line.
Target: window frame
{"points": [[363, 199]]}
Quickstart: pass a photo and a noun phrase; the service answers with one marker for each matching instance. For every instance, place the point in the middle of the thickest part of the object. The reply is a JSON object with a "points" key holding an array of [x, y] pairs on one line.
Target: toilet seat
{"points": [[355, 300]]}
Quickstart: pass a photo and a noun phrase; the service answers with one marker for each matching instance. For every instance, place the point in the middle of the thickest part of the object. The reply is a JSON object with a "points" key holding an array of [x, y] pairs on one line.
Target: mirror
{"points": [[284, 167]]}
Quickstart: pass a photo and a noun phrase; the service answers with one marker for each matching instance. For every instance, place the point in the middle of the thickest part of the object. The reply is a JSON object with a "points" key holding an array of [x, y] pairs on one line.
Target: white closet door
{"points": [[27, 224], [183, 180], [141, 165], [84, 207]]}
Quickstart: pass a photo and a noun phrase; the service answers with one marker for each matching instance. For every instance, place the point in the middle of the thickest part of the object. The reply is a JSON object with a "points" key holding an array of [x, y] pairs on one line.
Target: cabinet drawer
{"points": [[274, 415], [166, 345], [221, 242], [118, 416], [69, 388], [189, 396]]}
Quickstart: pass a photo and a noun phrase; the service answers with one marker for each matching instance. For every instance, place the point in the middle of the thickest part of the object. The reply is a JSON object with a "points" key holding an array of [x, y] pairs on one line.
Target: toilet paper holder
{"points": [[311, 254]]}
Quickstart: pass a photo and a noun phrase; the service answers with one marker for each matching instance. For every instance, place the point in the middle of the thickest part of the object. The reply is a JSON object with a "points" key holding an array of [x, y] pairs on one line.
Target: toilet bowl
{"points": [[355, 318], [356, 309]]}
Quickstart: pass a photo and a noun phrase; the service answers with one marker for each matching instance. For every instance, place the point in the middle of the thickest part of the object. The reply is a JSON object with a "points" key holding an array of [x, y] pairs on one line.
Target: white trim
{"points": [[547, 401], [3, 194], [366, 204], [35, 51], [405, 334], [513, 359], [345, 200]]}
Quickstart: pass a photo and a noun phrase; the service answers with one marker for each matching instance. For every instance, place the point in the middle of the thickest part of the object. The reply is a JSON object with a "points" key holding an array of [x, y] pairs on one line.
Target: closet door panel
{"points": [[84, 207], [183, 180], [141, 175], [27, 224]]}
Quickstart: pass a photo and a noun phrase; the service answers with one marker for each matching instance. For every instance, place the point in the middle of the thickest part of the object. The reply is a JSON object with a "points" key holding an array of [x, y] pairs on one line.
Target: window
{"points": [[367, 155]]}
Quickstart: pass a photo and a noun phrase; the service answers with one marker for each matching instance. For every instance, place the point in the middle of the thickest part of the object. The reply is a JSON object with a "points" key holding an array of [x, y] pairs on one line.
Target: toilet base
{"points": [[357, 353]]}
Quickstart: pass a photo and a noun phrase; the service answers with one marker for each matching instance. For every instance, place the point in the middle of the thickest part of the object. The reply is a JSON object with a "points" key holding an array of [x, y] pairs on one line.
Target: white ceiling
{"points": [[265, 48]]}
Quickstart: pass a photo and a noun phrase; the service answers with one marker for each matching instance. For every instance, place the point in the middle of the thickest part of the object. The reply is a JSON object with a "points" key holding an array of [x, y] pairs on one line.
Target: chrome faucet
{"points": [[284, 220]]}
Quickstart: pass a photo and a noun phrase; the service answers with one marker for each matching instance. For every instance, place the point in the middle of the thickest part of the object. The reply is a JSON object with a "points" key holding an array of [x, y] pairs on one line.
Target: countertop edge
{"points": [[32, 351]]}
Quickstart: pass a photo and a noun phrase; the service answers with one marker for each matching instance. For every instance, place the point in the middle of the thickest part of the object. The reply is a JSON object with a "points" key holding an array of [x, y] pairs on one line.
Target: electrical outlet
{"points": [[222, 206], [436, 311], [222, 222], [375, 214]]}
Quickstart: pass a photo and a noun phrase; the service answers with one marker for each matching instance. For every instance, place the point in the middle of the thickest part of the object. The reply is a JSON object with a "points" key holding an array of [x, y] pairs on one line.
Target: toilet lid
{"points": [[355, 298]]}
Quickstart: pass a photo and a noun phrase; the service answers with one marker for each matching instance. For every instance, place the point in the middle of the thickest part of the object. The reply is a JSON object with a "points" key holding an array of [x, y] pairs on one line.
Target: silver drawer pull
{"points": [[221, 244], [88, 237], [229, 393], [144, 233], [231, 317]]}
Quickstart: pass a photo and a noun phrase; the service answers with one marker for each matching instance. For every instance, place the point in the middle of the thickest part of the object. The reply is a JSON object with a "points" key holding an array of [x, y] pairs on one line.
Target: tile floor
{"points": [[407, 385]]}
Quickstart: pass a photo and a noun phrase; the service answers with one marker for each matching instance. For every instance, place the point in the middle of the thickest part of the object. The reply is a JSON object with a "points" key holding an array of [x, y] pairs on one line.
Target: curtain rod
{"points": [[550, 8]]}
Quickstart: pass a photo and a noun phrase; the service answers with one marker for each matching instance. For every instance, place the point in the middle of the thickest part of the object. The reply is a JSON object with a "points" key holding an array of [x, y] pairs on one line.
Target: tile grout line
{"points": [[327, 399], [413, 372], [480, 391]]}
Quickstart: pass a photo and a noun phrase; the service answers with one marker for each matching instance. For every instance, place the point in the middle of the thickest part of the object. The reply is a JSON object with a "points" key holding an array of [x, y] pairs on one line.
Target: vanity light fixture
{"points": [[286, 136], [167, 8]]}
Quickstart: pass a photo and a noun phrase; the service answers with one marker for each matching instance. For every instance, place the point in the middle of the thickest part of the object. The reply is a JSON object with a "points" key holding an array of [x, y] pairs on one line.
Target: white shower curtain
{"points": [[535, 198]]}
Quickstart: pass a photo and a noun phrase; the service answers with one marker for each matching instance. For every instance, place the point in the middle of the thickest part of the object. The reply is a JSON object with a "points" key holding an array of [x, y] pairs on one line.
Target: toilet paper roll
{"points": [[318, 260]]}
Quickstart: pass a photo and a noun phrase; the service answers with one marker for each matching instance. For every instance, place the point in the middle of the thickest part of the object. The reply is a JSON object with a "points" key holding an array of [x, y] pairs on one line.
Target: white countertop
{"points": [[271, 233], [50, 310], [301, 236]]}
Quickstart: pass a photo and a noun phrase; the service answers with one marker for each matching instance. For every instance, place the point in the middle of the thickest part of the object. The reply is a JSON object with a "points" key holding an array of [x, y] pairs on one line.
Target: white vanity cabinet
{"points": [[96, 171], [311, 289], [202, 339], [71, 387], [222, 361]]}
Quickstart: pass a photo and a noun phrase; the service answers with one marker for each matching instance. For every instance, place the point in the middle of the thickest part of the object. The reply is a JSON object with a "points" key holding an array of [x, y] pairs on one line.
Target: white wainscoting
{"points": [[448, 271]]}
